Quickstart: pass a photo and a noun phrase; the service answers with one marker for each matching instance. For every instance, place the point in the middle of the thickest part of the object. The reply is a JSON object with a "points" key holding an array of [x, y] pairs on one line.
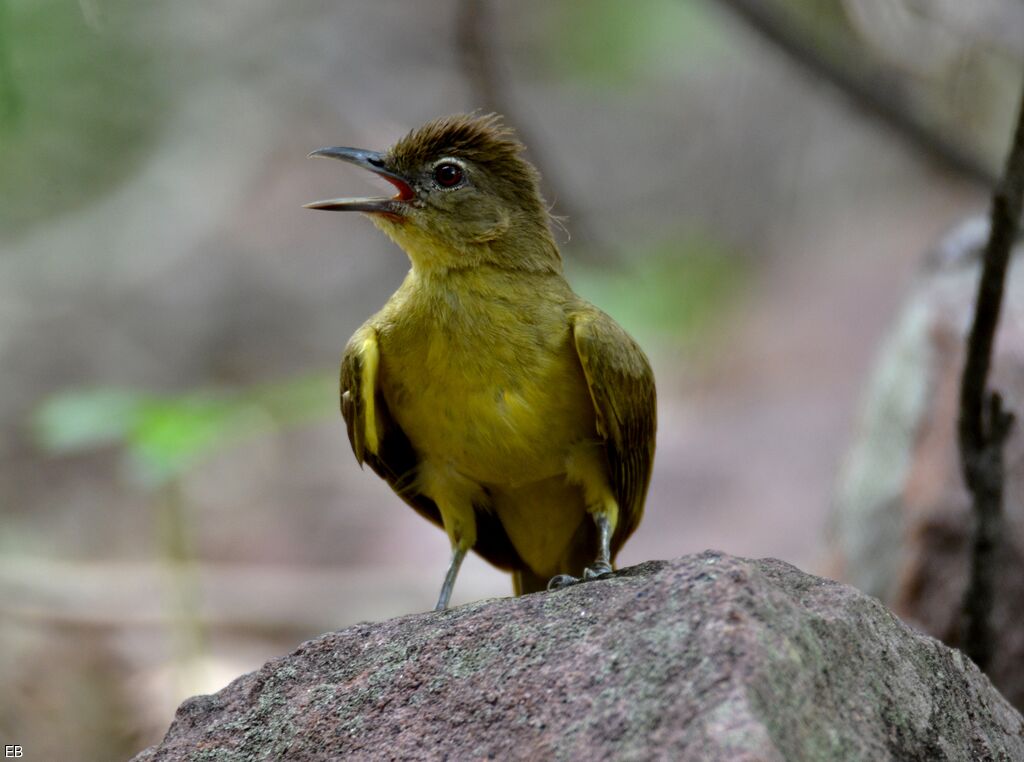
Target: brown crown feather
{"points": [[483, 140]]}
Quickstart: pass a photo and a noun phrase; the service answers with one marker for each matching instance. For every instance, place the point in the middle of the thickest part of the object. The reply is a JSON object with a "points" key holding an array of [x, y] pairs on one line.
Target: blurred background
{"points": [[750, 188]]}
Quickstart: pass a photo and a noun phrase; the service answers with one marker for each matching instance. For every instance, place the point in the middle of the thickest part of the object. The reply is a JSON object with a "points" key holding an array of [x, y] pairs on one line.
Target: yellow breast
{"points": [[485, 385]]}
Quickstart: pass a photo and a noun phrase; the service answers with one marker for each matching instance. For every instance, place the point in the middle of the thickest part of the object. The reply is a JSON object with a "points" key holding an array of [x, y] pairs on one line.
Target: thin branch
{"points": [[984, 425], [474, 37], [870, 88]]}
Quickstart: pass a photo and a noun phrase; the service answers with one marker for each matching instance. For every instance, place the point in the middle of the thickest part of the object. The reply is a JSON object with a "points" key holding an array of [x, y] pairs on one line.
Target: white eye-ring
{"points": [[449, 174]]}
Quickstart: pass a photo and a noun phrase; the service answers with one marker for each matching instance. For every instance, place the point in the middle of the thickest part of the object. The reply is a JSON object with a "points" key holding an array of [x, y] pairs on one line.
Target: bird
{"points": [[494, 400]]}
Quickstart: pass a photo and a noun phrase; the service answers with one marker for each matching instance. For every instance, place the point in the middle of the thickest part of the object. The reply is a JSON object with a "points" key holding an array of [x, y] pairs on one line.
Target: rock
{"points": [[901, 523], [708, 657]]}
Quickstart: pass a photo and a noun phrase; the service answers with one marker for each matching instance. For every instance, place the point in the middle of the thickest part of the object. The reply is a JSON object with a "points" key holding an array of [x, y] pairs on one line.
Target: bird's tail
{"points": [[525, 581]]}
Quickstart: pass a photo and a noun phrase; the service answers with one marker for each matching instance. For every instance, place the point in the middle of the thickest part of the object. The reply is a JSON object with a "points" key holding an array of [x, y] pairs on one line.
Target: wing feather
{"points": [[388, 451], [622, 388]]}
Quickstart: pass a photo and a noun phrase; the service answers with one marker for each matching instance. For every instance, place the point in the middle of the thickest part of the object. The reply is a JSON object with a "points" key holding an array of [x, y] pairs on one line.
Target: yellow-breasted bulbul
{"points": [[494, 400]]}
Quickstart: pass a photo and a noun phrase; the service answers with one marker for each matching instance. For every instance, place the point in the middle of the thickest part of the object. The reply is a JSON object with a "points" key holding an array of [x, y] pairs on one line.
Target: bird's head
{"points": [[466, 197]]}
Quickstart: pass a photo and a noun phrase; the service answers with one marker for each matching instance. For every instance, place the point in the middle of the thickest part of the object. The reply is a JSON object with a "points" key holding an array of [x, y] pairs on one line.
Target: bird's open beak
{"points": [[373, 161]]}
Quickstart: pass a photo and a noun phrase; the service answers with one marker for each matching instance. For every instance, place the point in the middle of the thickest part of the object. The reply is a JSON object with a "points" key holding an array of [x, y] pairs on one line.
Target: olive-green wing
{"points": [[621, 385], [388, 451]]}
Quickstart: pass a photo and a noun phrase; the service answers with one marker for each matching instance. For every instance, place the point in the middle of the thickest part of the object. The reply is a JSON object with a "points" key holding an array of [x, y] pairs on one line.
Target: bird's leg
{"points": [[458, 553], [455, 496], [601, 566]]}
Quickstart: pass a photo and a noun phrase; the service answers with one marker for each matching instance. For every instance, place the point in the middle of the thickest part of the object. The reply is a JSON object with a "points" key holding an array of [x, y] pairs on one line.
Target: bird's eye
{"points": [[448, 175]]}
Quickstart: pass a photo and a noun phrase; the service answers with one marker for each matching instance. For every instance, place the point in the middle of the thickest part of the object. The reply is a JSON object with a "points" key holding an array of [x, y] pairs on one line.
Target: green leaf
{"points": [[172, 434], [163, 436]]}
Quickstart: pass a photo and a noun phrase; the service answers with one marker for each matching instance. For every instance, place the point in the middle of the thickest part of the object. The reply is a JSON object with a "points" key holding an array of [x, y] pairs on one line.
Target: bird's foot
{"points": [[560, 581], [596, 570]]}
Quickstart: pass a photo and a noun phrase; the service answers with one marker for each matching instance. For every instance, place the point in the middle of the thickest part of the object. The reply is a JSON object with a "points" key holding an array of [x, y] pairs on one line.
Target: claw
{"points": [[600, 568], [597, 569], [560, 581]]}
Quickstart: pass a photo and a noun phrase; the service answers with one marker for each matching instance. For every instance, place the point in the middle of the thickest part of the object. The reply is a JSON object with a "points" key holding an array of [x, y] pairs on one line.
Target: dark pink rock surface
{"points": [[708, 657]]}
